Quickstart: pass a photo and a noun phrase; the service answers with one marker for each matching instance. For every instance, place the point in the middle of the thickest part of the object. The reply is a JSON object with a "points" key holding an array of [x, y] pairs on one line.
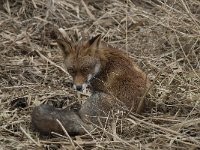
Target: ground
{"points": [[162, 37]]}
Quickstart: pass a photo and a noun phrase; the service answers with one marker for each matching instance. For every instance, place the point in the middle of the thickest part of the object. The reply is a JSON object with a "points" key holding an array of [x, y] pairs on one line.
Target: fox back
{"points": [[106, 69]]}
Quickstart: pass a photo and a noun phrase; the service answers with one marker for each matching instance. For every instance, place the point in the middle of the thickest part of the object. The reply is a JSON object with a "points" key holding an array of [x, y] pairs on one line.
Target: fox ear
{"points": [[64, 46], [94, 44]]}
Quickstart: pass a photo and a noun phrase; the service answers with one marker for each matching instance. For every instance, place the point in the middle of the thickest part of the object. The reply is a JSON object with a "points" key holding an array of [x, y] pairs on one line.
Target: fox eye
{"points": [[85, 70]]}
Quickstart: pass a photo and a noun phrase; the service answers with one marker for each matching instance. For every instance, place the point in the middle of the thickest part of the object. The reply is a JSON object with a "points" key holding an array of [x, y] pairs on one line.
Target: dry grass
{"points": [[163, 37]]}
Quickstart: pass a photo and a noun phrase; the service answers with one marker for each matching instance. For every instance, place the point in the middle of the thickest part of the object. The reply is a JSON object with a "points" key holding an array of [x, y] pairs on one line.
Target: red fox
{"points": [[114, 79]]}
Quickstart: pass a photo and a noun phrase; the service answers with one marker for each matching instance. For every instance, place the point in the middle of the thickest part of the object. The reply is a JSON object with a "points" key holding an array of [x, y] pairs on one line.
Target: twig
{"points": [[28, 136], [156, 126], [51, 62], [118, 138], [88, 11], [66, 133], [147, 90]]}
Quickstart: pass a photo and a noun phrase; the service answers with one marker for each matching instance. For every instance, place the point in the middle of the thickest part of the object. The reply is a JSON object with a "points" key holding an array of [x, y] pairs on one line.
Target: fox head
{"points": [[82, 60]]}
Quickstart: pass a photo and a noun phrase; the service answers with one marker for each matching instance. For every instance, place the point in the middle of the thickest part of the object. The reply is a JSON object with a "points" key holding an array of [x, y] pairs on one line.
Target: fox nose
{"points": [[79, 87]]}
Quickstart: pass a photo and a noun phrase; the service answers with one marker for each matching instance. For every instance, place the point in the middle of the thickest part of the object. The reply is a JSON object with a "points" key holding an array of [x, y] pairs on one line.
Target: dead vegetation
{"points": [[163, 37]]}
